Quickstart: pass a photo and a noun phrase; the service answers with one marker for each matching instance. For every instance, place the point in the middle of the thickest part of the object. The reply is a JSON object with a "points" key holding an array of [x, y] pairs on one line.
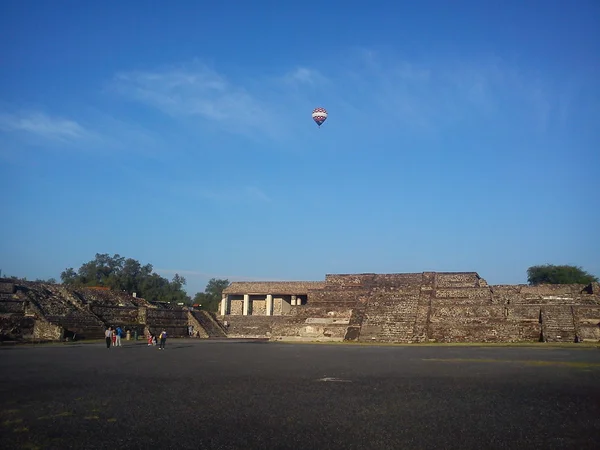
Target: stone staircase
{"points": [[65, 311], [558, 324], [81, 325], [354, 326], [208, 324], [391, 316]]}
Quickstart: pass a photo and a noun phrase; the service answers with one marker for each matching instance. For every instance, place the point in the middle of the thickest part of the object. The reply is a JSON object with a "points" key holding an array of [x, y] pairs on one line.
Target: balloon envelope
{"points": [[319, 115]]}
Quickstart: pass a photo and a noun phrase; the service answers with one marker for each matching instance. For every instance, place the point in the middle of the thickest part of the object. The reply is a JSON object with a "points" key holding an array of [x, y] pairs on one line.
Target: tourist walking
{"points": [[119, 334], [108, 336], [163, 339]]}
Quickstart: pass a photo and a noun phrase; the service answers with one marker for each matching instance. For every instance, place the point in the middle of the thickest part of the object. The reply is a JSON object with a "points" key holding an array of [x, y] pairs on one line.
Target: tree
{"points": [[68, 276], [553, 274], [48, 281], [211, 297], [127, 274]]}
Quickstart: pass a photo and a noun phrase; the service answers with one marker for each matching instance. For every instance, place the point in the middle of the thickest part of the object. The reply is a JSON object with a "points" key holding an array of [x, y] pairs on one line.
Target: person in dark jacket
{"points": [[163, 339]]}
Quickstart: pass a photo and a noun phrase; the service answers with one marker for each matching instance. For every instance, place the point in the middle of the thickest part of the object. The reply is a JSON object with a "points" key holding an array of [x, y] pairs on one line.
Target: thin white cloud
{"points": [[105, 134], [367, 90], [427, 96], [43, 125], [197, 91], [304, 75]]}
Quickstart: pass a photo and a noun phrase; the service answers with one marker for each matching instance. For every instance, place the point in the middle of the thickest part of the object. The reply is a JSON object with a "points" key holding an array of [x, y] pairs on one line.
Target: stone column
{"points": [[246, 304], [269, 305], [224, 304], [293, 300]]}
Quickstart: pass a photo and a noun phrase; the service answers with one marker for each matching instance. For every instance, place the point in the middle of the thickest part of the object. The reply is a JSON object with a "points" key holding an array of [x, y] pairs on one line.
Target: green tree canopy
{"points": [[211, 297], [127, 274], [553, 274]]}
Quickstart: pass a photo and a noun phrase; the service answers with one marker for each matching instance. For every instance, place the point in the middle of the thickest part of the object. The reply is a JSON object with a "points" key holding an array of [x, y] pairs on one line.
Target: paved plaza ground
{"points": [[199, 394]]}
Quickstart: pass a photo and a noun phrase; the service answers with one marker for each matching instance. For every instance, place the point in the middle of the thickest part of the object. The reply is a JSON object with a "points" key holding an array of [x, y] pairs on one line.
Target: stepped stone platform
{"points": [[411, 308], [402, 308], [51, 312]]}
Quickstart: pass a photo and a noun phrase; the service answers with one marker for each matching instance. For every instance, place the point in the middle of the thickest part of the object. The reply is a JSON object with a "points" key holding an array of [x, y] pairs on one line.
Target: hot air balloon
{"points": [[319, 115]]}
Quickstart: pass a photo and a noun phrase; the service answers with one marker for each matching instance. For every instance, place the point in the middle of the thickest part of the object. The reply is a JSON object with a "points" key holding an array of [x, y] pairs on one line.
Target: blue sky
{"points": [[462, 136]]}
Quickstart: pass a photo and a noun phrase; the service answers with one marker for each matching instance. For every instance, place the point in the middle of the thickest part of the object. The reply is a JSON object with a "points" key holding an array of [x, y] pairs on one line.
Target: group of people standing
{"points": [[113, 336], [162, 337]]}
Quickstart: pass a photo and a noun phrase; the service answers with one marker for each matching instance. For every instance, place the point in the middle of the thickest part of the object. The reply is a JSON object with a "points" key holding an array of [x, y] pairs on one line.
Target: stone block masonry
{"points": [[367, 307], [436, 307], [40, 311]]}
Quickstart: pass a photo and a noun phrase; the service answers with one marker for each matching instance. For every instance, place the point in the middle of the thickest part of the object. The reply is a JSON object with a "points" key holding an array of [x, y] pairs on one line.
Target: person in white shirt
{"points": [[108, 336]]}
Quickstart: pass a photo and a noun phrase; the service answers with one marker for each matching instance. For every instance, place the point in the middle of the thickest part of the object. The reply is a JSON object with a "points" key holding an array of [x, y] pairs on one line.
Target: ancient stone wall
{"points": [[482, 323], [236, 307], [587, 322], [12, 306], [61, 312], [46, 331], [174, 322], [16, 327], [251, 326], [117, 315], [478, 294], [390, 314], [258, 307], [457, 280], [7, 286], [419, 307]]}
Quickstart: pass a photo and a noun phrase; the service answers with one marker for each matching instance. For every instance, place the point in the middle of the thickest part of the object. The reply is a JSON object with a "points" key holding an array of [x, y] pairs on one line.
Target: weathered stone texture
{"points": [[16, 327], [445, 307], [457, 279], [7, 287], [174, 322], [417, 307], [587, 322], [466, 314], [476, 293], [505, 294], [236, 307], [330, 311], [12, 306], [117, 315], [46, 331], [558, 324], [372, 279], [259, 307], [61, 312], [250, 326], [208, 323], [292, 328], [272, 287], [338, 296]]}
